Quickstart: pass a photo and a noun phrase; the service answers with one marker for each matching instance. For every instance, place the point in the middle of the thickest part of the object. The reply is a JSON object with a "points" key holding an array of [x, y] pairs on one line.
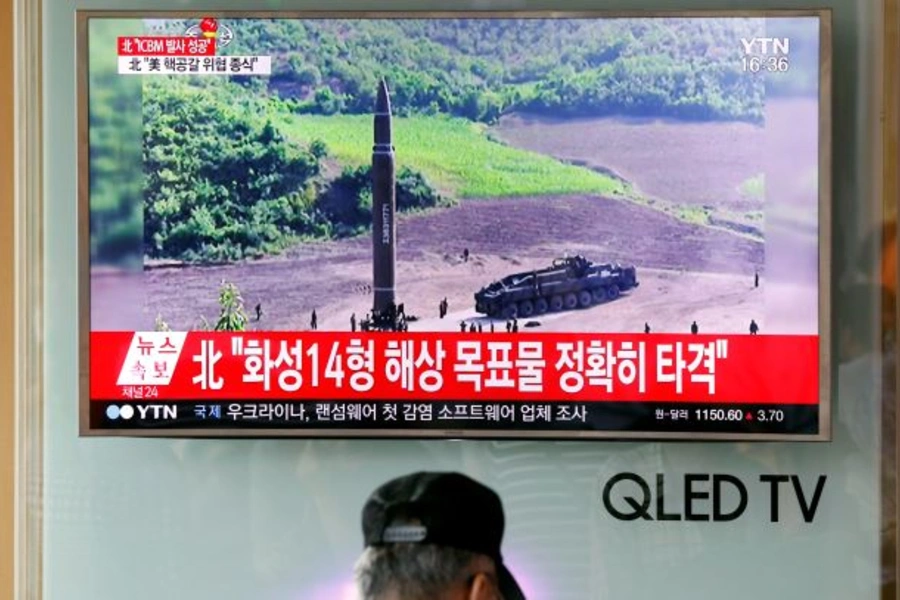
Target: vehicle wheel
{"points": [[526, 309], [613, 292], [556, 303], [585, 299], [540, 306], [571, 301], [510, 312], [599, 295]]}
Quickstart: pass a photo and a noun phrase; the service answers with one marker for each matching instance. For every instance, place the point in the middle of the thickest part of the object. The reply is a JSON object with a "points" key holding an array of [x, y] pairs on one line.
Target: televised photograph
{"points": [[456, 225], [617, 175]]}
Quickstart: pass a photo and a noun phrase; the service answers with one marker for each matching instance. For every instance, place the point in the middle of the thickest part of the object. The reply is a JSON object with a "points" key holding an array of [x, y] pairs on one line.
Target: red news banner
{"points": [[752, 369], [162, 45]]}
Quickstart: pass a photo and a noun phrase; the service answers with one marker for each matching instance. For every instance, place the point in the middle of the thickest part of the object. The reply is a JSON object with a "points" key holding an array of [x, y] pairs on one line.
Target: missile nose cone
{"points": [[383, 119], [383, 101]]}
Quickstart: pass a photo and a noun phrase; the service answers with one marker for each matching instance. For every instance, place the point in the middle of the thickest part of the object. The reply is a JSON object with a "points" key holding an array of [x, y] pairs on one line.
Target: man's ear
{"points": [[483, 588]]}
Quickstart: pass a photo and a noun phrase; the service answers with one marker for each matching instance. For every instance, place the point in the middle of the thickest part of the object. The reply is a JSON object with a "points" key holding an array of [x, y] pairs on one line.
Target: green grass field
{"points": [[455, 155]]}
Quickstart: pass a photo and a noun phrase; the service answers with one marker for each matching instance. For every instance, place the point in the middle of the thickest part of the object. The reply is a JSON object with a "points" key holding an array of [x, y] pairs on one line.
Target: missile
{"points": [[384, 205]]}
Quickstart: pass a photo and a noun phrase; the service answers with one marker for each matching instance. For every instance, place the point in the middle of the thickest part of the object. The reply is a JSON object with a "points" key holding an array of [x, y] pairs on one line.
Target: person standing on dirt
{"points": [[754, 328], [508, 327], [756, 279], [492, 327], [353, 322], [465, 255], [258, 312], [646, 328], [694, 327], [314, 321], [462, 326]]}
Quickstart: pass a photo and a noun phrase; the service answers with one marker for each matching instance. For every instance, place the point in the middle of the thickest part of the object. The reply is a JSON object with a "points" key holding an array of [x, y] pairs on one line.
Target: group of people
{"points": [[398, 316], [393, 319], [444, 306], [473, 327], [695, 329], [512, 326]]}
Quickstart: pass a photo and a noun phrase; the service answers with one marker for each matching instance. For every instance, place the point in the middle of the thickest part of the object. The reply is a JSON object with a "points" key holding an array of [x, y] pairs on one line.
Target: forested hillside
{"points": [[115, 136], [222, 182], [480, 68], [237, 167]]}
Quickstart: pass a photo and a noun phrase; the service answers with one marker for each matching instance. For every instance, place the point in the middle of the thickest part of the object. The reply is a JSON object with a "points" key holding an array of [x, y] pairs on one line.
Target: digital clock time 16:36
{"points": [[768, 64]]}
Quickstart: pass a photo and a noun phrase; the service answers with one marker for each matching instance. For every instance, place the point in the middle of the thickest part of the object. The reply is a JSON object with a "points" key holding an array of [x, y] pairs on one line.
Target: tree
{"points": [[221, 180], [231, 312], [232, 316], [318, 149]]}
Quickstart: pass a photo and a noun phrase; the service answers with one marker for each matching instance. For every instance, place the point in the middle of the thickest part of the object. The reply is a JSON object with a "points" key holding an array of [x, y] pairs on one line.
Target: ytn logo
{"points": [[157, 412], [766, 46], [114, 412], [637, 500]]}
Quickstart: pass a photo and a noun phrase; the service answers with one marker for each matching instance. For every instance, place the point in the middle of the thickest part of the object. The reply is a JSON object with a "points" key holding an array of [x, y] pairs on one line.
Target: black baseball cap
{"points": [[445, 509]]}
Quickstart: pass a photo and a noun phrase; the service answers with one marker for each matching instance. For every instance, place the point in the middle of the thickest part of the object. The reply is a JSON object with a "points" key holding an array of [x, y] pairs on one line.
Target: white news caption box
{"points": [[195, 65], [152, 357]]}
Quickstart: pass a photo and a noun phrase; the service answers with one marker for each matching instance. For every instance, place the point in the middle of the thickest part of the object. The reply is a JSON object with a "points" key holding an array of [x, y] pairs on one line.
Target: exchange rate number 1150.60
{"points": [[719, 414]]}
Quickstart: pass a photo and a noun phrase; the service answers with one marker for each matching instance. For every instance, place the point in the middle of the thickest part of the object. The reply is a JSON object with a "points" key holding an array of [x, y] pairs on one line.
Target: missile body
{"points": [[384, 205]]}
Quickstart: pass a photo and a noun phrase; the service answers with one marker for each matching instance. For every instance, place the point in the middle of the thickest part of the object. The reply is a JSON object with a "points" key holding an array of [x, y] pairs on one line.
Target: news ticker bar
{"points": [[625, 417], [410, 367]]}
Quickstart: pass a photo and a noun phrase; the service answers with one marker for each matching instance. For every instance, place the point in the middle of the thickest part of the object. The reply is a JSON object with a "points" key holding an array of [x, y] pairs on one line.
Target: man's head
{"points": [[434, 536]]}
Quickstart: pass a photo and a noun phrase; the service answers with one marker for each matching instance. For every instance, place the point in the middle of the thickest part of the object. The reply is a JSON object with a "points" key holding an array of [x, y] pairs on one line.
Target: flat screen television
{"points": [[464, 225]]}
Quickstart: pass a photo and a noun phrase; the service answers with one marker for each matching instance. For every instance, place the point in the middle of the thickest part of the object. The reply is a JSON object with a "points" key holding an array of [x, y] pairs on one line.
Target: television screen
{"points": [[522, 225]]}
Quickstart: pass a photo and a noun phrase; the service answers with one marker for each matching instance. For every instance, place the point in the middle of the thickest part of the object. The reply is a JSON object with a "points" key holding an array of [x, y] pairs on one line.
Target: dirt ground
{"points": [[719, 303], [700, 163], [631, 149], [686, 271]]}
